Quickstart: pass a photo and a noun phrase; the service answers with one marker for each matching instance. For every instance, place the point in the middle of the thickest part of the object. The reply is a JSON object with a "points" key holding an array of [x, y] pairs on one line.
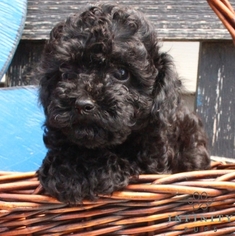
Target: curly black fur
{"points": [[112, 105]]}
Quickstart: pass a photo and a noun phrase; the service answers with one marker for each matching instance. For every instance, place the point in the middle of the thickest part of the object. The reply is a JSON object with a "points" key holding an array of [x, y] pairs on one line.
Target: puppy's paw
{"points": [[109, 175], [64, 184], [72, 182]]}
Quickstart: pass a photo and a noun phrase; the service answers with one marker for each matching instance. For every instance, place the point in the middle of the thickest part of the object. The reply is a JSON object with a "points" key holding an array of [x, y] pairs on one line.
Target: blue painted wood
{"points": [[12, 19], [21, 120]]}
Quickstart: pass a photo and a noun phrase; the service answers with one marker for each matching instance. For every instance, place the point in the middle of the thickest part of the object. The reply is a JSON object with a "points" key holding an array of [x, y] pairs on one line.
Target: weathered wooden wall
{"points": [[216, 96], [174, 19]]}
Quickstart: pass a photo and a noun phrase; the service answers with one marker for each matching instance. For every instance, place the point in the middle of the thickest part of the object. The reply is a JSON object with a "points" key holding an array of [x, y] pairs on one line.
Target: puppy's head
{"points": [[102, 76]]}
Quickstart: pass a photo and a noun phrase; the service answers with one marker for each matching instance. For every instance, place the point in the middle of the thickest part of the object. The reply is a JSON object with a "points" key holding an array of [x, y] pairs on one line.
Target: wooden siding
{"points": [[181, 20], [215, 101]]}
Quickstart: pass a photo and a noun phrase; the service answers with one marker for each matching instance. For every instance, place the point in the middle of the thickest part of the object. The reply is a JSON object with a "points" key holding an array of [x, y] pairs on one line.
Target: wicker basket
{"points": [[195, 203], [226, 14], [192, 203]]}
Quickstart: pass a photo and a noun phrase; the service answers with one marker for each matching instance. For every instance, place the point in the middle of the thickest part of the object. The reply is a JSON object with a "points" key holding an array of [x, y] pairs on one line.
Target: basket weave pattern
{"points": [[195, 203]]}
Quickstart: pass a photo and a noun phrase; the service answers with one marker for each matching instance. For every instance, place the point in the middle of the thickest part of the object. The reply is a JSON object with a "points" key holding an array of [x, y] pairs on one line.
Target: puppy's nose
{"points": [[84, 105]]}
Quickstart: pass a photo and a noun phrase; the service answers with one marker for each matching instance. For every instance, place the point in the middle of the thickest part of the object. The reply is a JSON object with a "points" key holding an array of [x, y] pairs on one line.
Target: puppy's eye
{"points": [[69, 76], [121, 74]]}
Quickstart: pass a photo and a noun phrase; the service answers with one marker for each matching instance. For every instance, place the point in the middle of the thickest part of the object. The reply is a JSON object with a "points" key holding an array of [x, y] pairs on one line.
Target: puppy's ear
{"points": [[47, 70], [56, 32], [52, 43], [167, 87]]}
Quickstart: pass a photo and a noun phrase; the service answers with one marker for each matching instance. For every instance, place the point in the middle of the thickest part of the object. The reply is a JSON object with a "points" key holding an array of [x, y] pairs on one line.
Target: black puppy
{"points": [[112, 105]]}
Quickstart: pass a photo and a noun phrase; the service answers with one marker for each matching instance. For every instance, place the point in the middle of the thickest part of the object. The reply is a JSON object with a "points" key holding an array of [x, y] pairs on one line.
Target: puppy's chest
{"points": [[131, 149], [139, 146]]}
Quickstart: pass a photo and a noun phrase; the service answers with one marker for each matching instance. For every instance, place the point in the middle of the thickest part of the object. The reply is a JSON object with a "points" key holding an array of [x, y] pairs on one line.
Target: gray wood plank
{"points": [[215, 99], [25, 59], [181, 20]]}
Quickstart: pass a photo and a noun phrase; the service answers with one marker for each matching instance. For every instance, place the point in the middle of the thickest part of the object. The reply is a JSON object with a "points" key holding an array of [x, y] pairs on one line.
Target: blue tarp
{"points": [[21, 132], [12, 19]]}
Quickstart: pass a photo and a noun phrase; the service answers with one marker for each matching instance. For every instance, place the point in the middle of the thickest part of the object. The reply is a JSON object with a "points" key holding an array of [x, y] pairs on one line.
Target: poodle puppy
{"points": [[112, 106]]}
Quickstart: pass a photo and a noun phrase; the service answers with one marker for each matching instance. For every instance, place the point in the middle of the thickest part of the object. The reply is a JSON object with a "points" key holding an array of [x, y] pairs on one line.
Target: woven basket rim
{"points": [[150, 205]]}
